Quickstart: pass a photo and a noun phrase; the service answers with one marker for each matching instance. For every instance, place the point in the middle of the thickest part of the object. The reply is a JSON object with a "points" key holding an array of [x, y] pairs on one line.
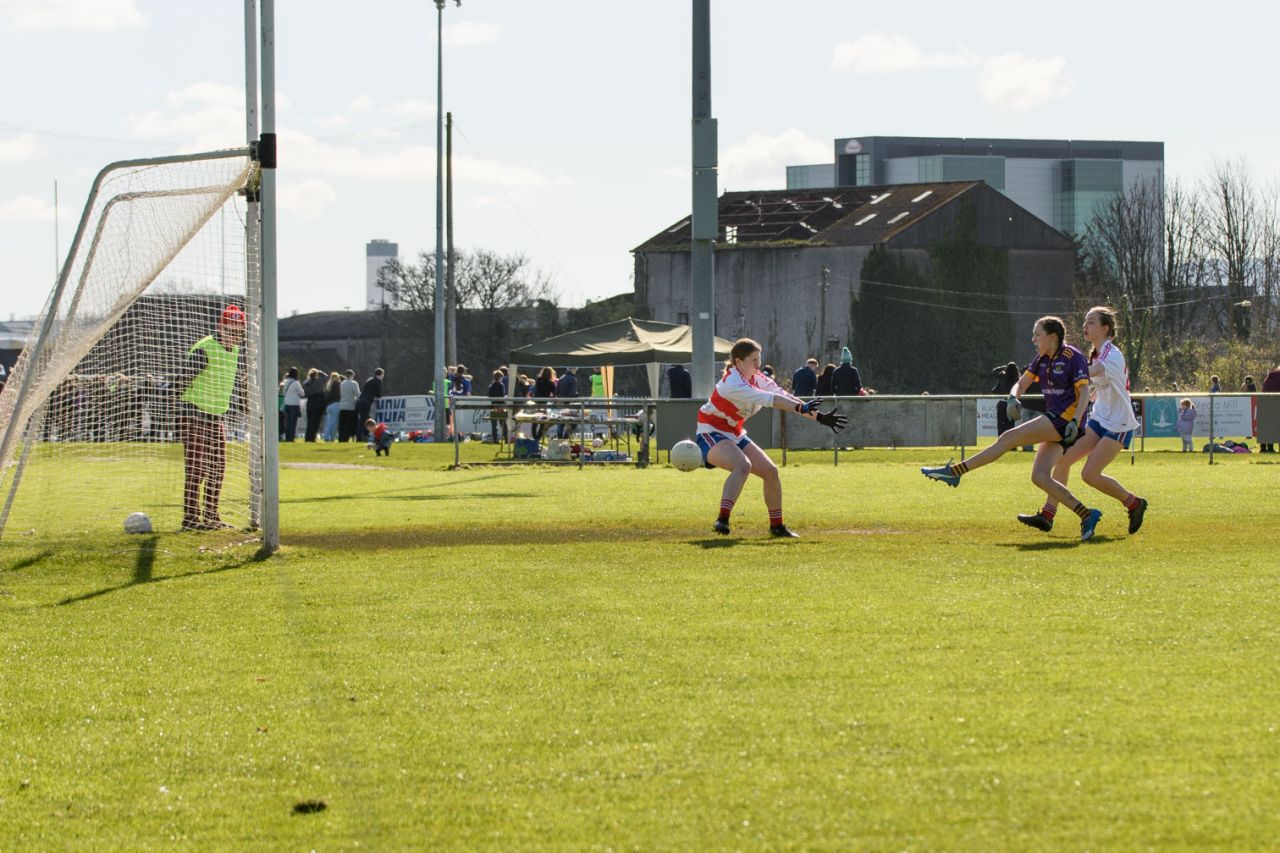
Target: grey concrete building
{"points": [[1062, 181], [376, 255], [789, 265]]}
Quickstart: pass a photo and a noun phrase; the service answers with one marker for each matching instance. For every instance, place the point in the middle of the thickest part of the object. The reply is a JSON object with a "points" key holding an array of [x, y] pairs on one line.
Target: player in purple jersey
{"points": [[1063, 374]]}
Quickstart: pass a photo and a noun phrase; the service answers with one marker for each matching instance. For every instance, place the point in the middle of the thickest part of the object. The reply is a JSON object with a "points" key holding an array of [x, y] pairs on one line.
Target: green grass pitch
{"points": [[545, 657]]}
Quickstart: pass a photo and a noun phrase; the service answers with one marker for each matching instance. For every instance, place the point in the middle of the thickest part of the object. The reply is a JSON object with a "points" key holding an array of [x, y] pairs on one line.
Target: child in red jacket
{"points": [[380, 437]]}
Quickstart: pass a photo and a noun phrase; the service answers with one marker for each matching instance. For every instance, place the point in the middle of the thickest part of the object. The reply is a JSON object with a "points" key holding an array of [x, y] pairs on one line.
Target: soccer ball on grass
{"points": [[137, 522], [686, 456]]}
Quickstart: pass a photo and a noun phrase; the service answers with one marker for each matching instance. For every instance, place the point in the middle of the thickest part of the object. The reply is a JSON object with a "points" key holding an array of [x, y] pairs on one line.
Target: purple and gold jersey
{"points": [[1059, 375]]}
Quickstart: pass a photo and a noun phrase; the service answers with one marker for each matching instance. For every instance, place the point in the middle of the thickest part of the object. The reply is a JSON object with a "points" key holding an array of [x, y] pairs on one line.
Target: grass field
{"points": [[548, 657]]}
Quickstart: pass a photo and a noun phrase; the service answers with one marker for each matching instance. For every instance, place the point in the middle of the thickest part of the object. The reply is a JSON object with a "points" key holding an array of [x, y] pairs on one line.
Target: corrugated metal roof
{"points": [[832, 216]]}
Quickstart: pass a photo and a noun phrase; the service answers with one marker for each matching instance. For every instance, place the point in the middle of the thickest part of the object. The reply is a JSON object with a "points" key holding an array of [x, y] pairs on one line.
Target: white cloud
{"points": [[416, 163], [330, 122], [360, 103], [1013, 81], [203, 115], [760, 161], [93, 15], [306, 199], [877, 53], [25, 208], [470, 33], [21, 147], [1010, 81], [413, 108]]}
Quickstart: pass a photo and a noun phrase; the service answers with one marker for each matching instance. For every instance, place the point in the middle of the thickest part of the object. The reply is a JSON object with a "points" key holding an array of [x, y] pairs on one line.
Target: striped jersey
{"points": [[733, 400]]}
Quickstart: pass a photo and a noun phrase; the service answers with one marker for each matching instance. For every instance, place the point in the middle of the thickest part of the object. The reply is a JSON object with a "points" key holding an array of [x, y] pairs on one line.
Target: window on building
{"points": [[683, 318], [862, 170], [731, 233]]}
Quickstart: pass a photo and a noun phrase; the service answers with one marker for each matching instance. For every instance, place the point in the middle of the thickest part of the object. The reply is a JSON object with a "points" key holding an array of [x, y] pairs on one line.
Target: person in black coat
{"points": [[371, 391], [804, 382], [1006, 376], [824, 380], [680, 381], [316, 401], [845, 381]]}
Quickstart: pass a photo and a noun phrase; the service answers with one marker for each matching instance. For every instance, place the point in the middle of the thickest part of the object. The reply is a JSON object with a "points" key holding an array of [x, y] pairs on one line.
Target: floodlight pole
{"points": [[705, 221], [438, 297]]}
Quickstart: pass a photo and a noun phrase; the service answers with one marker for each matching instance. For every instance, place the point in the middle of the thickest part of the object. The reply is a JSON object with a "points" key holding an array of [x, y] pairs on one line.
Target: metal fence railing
{"points": [[633, 430]]}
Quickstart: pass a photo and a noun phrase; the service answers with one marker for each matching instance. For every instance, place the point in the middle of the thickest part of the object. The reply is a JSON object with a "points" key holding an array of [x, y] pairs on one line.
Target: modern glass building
{"points": [[1061, 181]]}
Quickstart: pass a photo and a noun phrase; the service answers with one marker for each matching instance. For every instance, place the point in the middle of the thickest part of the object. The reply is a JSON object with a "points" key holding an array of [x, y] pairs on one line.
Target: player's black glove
{"points": [[1070, 433], [833, 419], [806, 408]]}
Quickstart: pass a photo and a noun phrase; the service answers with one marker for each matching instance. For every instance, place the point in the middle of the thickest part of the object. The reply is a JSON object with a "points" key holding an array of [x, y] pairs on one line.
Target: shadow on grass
{"points": [[411, 538], [143, 572], [1052, 544], [400, 496], [724, 542], [29, 561]]}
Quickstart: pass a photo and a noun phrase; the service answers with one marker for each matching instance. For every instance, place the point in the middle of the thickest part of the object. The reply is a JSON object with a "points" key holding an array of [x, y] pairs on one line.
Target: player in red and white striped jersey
{"points": [[722, 436]]}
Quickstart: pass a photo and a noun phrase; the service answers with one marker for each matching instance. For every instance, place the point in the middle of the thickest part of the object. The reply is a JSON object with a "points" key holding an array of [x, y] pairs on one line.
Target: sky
{"points": [[572, 138]]}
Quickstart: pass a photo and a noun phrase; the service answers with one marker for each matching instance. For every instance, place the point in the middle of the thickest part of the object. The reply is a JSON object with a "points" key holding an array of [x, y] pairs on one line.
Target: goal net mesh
{"points": [[99, 418]]}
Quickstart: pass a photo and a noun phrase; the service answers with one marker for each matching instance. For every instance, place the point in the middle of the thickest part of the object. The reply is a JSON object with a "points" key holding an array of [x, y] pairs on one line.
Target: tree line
{"points": [[1193, 269]]}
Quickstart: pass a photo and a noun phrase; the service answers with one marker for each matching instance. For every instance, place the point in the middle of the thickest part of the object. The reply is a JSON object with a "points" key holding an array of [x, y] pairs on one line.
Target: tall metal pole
{"points": [[438, 306], [253, 270], [267, 153], [706, 215], [451, 300]]}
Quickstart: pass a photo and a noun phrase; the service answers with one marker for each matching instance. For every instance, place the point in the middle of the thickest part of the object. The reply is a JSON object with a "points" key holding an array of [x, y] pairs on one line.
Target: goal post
{"points": [[141, 387]]}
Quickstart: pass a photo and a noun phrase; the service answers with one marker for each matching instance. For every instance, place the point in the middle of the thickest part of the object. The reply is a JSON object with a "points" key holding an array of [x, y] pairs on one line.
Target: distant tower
{"points": [[376, 255]]}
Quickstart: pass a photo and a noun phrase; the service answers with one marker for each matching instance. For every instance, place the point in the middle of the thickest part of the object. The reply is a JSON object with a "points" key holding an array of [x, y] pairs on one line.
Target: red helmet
{"points": [[232, 315]]}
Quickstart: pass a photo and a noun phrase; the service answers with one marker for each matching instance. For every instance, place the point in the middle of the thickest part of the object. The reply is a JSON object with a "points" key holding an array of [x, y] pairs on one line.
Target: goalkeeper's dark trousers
{"points": [[204, 459]]}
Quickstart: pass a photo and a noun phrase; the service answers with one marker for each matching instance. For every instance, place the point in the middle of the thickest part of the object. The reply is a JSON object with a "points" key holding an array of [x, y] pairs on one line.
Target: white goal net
{"points": [[139, 389]]}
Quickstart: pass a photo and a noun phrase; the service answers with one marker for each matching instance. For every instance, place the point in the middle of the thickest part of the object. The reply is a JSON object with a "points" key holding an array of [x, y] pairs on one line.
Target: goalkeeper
{"points": [[740, 393], [213, 364], [1063, 374]]}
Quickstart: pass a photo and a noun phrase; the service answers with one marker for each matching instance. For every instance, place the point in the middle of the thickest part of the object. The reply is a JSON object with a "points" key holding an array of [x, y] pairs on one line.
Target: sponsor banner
{"points": [[1233, 417], [417, 411], [987, 418]]}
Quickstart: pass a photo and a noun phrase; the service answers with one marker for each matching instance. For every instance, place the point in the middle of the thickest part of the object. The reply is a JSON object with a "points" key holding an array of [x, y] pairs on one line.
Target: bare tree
{"points": [[1123, 255], [1185, 268], [1266, 309], [1231, 202]]}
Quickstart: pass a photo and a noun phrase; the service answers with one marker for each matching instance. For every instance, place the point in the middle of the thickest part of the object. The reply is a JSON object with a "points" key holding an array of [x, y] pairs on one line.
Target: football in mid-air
{"points": [[137, 522], [685, 456]]}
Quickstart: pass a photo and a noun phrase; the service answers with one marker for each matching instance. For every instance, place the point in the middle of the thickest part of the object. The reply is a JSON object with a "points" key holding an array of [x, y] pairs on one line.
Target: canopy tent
{"points": [[616, 344]]}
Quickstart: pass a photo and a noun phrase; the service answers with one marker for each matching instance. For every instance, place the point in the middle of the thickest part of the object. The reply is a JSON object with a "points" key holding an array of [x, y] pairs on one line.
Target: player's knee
{"points": [[1041, 478], [1092, 476], [768, 472]]}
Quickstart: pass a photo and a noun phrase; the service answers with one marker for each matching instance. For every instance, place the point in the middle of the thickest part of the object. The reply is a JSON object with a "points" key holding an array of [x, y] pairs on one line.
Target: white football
{"points": [[137, 522], [686, 456]]}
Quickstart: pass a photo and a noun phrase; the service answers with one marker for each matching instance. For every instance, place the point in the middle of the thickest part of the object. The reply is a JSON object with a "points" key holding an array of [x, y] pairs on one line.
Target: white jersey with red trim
{"points": [[733, 400], [1111, 403]]}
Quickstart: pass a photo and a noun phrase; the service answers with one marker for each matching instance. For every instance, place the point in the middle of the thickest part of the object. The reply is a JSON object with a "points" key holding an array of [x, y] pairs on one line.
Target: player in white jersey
{"points": [[1110, 427], [722, 436]]}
